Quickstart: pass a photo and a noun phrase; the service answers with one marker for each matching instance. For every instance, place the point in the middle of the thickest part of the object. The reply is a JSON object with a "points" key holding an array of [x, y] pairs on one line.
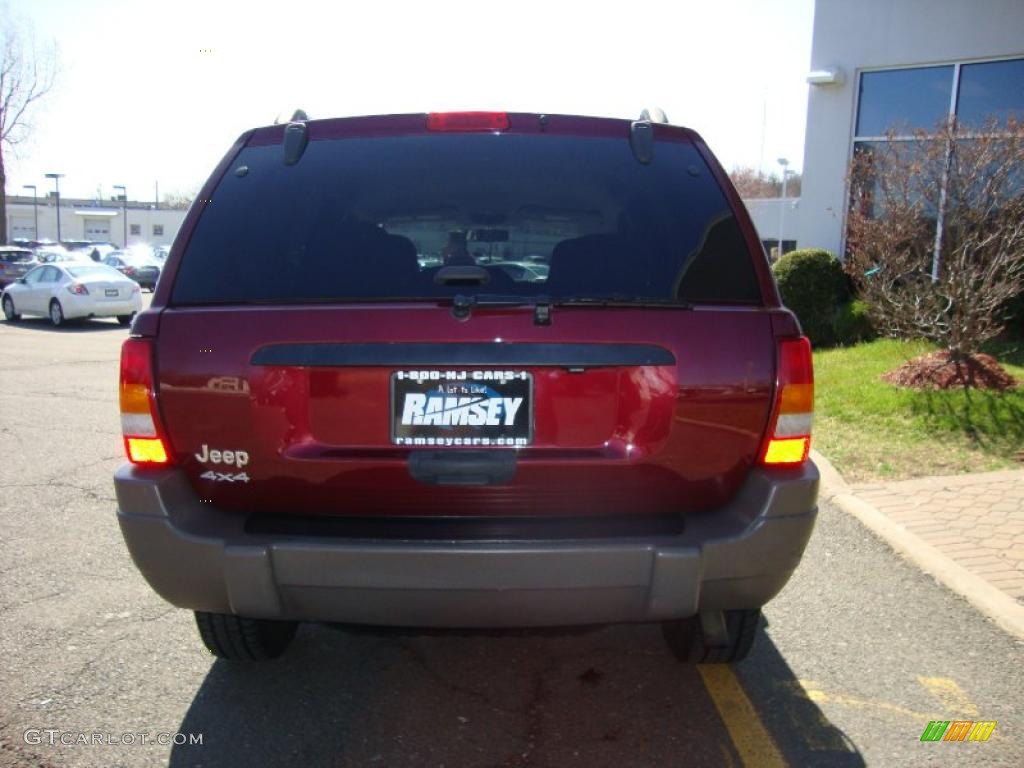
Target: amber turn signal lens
{"points": [[146, 450]]}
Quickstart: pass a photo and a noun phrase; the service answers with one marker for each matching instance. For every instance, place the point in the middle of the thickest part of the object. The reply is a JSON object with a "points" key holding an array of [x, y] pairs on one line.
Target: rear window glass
{"points": [[376, 218], [15, 256], [137, 259], [97, 271]]}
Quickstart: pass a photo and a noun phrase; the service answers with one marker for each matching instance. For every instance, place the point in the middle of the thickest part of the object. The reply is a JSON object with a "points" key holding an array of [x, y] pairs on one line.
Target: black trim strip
{"points": [[456, 354], [466, 529]]}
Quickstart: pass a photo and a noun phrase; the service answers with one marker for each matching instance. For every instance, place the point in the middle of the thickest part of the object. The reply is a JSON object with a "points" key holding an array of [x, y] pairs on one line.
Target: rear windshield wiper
{"points": [[621, 300], [462, 305], [500, 300]]}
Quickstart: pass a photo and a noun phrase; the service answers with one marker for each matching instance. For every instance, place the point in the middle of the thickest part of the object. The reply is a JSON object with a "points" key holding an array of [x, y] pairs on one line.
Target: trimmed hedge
{"points": [[852, 324], [812, 284]]}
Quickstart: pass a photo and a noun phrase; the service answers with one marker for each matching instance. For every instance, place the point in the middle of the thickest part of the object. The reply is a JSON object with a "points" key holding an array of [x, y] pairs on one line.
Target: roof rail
{"points": [[654, 115], [298, 116]]}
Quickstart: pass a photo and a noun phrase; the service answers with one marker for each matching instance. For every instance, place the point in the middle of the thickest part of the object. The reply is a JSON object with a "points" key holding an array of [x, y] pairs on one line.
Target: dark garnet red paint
{"points": [[636, 439]]}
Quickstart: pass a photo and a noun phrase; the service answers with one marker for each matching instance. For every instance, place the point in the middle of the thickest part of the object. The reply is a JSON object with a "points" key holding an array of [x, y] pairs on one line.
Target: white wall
{"points": [[882, 33], [72, 224], [765, 212]]}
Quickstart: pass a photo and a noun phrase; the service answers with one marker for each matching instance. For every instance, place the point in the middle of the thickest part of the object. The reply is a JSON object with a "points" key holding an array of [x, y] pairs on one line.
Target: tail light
{"points": [[459, 122], [129, 270], [78, 289], [140, 422], [788, 441]]}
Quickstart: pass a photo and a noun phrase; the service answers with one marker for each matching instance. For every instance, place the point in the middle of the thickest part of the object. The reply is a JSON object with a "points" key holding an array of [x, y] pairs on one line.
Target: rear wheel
{"points": [[9, 314], [237, 638], [56, 313], [689, 643], [125, 319]]}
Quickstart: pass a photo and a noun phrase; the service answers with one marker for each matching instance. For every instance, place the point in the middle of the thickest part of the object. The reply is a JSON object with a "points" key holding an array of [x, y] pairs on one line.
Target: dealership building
{"points": [[875, 65], [881, 64], [30, 218]]}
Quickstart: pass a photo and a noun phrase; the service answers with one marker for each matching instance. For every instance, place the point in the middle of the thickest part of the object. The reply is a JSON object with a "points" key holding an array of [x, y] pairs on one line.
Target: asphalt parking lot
{"points": [[856, 656]]}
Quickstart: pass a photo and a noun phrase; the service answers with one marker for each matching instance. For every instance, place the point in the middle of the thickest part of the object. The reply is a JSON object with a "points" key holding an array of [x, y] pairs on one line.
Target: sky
{"points": [[156, 92]]}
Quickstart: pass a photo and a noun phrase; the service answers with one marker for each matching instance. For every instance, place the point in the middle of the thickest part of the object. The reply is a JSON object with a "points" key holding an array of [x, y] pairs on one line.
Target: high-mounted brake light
{"points": [[140, 422], [467, 121], [788, 441]]}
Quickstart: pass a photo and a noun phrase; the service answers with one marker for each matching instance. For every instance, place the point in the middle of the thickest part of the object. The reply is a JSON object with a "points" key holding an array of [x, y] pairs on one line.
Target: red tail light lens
{"points": [[78, 289], [140, 423], [788, 441], [455, 122]]}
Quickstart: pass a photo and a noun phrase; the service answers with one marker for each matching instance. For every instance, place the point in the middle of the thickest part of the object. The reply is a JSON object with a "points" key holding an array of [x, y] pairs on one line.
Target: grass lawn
{"points": [[873, 430]]}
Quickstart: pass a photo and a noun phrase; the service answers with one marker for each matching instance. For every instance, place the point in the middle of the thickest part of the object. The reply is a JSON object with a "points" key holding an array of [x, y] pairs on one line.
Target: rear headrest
{"points": [[590, 264]]}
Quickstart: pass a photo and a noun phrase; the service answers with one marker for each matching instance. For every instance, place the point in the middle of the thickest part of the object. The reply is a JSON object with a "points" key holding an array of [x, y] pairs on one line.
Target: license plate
{"points": [[111, 291], [462, 408]]}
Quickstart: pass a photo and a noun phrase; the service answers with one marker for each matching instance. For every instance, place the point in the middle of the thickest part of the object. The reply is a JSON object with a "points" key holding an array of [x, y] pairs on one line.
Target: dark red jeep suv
{"points": [[467, 370]]}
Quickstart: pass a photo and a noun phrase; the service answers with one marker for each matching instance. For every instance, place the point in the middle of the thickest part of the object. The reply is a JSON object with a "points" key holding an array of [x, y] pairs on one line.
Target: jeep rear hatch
{"points": [[531, 321]]}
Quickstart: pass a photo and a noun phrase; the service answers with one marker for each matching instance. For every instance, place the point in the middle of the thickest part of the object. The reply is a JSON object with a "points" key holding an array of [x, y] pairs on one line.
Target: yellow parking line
{"points": [[951, 695], [813, 692], [751, 739]]}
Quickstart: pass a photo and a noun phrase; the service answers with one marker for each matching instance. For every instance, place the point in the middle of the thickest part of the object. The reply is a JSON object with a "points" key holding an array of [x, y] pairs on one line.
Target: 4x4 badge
{"points": [[224, 477]]}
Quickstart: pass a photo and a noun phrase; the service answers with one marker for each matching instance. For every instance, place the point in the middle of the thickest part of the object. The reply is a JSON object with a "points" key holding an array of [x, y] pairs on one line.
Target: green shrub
{"points": [[851, 324], [812, 284]]}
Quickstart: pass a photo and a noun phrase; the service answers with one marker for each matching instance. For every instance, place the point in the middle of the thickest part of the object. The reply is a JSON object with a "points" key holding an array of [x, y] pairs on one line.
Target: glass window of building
{"points": [[903, 99], [991, 90]]}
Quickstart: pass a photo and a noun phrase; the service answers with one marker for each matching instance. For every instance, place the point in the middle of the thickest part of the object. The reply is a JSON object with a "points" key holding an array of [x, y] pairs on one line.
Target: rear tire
{"points": [[9, 314], [237, 638], [56, 313], [687, 642], [125, 319]]}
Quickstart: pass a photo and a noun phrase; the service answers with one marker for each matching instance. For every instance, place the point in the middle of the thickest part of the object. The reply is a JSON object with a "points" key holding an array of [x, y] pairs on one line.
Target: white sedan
{"points": [[68, 290]]}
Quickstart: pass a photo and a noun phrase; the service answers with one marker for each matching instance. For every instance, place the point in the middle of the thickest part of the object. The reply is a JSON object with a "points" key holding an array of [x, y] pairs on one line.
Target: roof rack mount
{"points": [[654, 115]]}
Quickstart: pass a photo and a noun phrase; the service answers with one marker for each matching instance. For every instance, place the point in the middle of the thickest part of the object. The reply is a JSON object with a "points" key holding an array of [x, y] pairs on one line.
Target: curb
{"points": [[1006, 612]]}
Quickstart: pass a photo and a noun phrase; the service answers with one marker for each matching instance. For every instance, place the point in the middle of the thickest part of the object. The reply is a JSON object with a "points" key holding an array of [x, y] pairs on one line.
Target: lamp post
{"points": [[56, 185], [782, 203], [35, 210], [124, 198]]}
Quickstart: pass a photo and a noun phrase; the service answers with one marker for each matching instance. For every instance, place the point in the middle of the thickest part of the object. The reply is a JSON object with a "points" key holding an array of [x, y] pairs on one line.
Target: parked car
{"points": [[74, 245], [522, 273], [161, 252], [323, 426], [14, 263], [69, 290], [95, 251], [51, 255], [142, 269]]}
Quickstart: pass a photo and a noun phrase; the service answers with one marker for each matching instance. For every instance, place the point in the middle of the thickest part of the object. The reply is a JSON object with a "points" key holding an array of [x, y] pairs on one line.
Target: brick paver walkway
{"points": [[976, 520]]}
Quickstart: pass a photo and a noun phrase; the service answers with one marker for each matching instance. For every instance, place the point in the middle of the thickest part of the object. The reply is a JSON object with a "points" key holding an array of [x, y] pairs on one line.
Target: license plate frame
{"points": [[474, 390], [110, 293]]}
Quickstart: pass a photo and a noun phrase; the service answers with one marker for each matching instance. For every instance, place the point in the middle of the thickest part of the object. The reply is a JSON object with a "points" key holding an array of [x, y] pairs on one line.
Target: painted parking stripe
{"points": [[951, 695], [751, 739]]}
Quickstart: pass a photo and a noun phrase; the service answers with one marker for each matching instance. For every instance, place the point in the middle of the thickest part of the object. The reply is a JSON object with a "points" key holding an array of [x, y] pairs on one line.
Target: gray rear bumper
{"points": [[201, 558]]}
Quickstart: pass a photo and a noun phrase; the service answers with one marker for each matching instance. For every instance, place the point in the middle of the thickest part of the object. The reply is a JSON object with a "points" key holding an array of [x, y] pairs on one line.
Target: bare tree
{"points": [[752, 183], [27, 73], [179, 200], [936, 232]]}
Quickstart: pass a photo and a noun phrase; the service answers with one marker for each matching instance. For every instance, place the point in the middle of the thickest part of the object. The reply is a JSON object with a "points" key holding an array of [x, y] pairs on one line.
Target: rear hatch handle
{"points": [[463, 467]]}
